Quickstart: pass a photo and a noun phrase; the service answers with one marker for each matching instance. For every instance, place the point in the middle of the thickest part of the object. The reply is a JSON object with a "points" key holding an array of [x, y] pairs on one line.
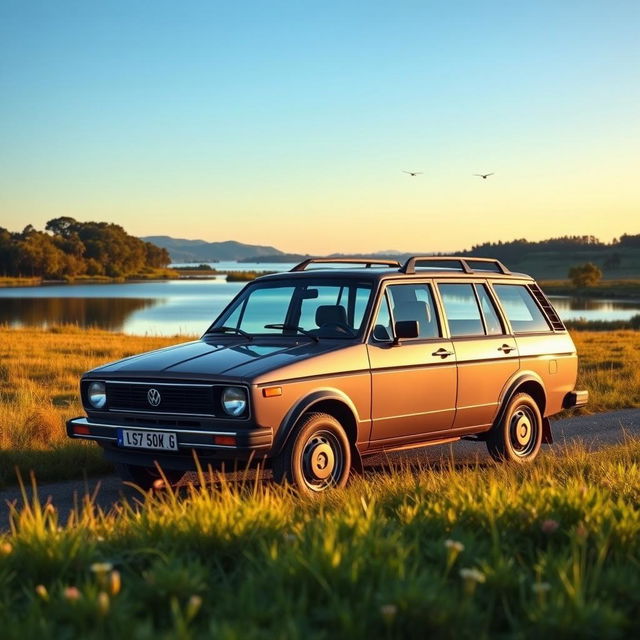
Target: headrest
{"points": [[414, 310], [328, 314]]}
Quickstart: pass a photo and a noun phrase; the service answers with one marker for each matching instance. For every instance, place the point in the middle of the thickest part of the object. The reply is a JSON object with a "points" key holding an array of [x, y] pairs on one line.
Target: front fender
{"points": [[304, 405]]}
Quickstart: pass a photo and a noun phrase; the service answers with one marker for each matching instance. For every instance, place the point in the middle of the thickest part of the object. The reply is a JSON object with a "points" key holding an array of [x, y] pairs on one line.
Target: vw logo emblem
{"points": [[153, 396]]}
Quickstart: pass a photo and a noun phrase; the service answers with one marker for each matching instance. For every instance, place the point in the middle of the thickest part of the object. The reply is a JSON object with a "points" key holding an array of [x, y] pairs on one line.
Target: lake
{"points": [[187, 307]]}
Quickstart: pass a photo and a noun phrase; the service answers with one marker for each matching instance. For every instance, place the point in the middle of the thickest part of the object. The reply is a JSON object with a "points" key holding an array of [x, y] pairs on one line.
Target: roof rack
{"points": [[467, 265], [367, 262]]}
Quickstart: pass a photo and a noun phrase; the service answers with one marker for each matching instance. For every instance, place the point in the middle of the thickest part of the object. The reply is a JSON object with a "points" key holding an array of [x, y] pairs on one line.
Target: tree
{"points": [[585, 275]]}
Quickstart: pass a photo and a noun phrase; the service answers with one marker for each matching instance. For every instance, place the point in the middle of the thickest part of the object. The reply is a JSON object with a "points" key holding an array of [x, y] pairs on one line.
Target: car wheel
{"points": [[518, 435], [316, 457], [146, 477]]}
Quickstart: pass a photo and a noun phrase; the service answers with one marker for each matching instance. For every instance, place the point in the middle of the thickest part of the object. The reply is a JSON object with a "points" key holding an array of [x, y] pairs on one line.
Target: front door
{"points": [[413, 382]]}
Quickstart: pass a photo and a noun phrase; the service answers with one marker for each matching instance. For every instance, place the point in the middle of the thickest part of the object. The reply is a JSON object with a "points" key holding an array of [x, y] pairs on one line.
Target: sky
{"points": [[290, 123]]}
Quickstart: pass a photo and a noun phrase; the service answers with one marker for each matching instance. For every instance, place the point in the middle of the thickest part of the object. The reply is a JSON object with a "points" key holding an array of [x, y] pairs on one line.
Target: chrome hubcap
{"points": [[322, 461], [523, 431]]}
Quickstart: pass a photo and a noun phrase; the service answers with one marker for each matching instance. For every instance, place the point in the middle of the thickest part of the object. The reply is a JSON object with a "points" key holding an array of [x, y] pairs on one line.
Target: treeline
{"points": [[69, 248], [516, 249]]}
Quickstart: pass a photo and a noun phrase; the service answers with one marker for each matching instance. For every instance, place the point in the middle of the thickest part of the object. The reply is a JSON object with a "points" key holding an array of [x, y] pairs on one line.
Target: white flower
{"points": [[472, 575], [454, 545]]}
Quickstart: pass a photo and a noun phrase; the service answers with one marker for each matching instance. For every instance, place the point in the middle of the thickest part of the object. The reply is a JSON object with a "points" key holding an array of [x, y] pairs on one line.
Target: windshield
{"points": [[318, 308]]}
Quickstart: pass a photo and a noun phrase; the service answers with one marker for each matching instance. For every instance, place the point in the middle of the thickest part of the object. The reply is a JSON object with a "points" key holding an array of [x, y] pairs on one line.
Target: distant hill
{"points": [[182, 250]]}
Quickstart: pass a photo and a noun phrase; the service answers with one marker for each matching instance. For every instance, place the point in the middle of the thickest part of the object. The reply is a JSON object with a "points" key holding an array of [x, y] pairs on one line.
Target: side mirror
{"points": [[406, 329]]}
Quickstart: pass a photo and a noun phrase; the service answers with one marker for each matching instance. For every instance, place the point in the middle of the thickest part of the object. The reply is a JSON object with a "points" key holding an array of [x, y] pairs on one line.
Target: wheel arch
{"points": [[330, 401], [533, 385]]}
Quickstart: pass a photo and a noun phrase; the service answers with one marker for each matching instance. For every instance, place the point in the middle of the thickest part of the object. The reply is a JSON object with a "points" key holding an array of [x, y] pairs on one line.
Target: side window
{"points": [[521, 309], [461, 309], [415, 302], [491, 318], [382, 326]]}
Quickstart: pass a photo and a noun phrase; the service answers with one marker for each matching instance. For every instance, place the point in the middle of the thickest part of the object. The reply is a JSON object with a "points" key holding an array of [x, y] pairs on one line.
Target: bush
{"points": [[585, 275]]}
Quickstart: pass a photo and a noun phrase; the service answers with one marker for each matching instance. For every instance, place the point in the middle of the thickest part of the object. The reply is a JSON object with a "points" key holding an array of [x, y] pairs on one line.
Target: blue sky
{"points": [[290, 123]]}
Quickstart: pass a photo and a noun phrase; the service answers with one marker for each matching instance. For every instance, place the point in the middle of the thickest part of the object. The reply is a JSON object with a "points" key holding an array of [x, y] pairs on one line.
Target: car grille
{"points": [[184, 399]]}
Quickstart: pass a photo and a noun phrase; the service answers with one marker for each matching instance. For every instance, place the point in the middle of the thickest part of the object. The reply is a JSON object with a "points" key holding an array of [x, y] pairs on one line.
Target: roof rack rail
{"points": [[368, 262], [467, 265]]}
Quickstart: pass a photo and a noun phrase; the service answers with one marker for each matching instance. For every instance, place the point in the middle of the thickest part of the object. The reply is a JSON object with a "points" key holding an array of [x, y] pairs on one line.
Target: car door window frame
{"points": [[437, 310]]}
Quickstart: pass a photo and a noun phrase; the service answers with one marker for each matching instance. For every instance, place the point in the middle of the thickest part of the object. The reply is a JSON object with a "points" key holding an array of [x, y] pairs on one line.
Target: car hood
{"points": [[213, 358]]}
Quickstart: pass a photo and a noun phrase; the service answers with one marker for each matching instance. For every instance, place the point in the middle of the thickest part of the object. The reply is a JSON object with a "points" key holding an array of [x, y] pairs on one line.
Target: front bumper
{"points": [[251, 443], [575, 399]]}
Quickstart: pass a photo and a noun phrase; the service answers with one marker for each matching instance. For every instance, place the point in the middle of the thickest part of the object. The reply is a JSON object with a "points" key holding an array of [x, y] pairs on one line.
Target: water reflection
{"points": [[570, 308], [188, 307], [103, 313]]}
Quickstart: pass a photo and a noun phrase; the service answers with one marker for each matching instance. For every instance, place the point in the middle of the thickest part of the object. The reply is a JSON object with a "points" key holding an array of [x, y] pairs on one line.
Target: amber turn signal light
{"points": [[272, 392]]}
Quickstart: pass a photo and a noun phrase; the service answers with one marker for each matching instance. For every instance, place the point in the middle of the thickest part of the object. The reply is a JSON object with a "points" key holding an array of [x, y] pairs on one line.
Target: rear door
{"points": [[486, 354], [413, 383]]}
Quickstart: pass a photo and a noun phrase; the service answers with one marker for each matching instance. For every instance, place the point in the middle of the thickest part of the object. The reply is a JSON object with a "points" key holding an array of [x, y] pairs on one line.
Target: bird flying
{"points": [[413, 173], [484, 176]]}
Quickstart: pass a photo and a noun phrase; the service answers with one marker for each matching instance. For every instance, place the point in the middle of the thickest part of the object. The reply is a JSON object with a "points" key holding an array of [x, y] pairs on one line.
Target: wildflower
{"points": [[115, 583], [472, 575], [72, 594], [103, 603], [388, 612], [549, 526], [454, 545], [42, 592], [541, 587], [193, 606], [101, 567], [6, 548], [581, 530], [472, 578]]}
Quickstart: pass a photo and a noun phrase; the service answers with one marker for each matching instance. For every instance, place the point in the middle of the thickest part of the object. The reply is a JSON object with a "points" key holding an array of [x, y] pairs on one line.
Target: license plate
{"points": [[162, 440]]}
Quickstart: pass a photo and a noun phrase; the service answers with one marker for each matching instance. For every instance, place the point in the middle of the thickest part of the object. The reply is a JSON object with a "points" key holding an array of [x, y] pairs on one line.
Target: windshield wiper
{"points": [[286, 327], [235, 330]]}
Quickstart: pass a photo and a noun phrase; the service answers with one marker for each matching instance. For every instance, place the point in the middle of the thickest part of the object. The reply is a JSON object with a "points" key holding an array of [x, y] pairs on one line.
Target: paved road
{"points": [[594, 431]]}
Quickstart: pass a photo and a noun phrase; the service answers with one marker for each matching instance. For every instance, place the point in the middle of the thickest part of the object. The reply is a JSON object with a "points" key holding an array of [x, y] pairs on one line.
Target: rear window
{"points": [[521, 309]]}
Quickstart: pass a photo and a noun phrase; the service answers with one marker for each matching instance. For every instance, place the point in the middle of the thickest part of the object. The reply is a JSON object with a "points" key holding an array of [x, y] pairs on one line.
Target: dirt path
{"points": [[595, 431]]}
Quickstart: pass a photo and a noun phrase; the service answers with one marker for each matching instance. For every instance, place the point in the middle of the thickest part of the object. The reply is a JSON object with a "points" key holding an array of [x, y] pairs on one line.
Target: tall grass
{"points": [[443, 551], [39, 390], [40, 370]]}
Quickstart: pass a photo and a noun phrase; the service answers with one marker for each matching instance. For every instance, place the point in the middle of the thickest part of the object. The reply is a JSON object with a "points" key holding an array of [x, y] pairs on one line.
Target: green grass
{"points": [[551, 550]]}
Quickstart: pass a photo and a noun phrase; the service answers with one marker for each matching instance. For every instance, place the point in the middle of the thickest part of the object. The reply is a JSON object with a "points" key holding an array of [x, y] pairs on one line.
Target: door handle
{"points": [[506, 348], [443, 353]]}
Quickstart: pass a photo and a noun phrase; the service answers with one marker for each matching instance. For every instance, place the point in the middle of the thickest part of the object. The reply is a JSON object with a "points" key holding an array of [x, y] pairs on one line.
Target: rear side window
{"points": [[461, 309], [521, 309]]}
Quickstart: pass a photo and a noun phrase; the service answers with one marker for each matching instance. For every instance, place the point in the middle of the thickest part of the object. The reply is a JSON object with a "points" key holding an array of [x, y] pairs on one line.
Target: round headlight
{"points": [[234, 401], [97, 394]]}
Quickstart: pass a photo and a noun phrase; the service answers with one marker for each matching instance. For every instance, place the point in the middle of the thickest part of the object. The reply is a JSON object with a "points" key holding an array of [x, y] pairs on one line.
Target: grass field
{"points": [[40, 370], [442, 552]]}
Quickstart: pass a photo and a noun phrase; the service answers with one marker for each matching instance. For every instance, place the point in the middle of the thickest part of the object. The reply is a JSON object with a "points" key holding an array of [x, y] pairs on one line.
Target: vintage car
{"points": [[311, 370]]}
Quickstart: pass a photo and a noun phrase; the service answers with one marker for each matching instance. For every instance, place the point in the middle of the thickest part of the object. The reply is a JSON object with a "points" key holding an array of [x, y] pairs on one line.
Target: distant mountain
{"points": [[182, 250]]}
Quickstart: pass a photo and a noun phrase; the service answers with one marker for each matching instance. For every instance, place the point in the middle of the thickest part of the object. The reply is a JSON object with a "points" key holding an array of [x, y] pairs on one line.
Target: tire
{"points": [[147, 477], [316, 457], [518, 435]]}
